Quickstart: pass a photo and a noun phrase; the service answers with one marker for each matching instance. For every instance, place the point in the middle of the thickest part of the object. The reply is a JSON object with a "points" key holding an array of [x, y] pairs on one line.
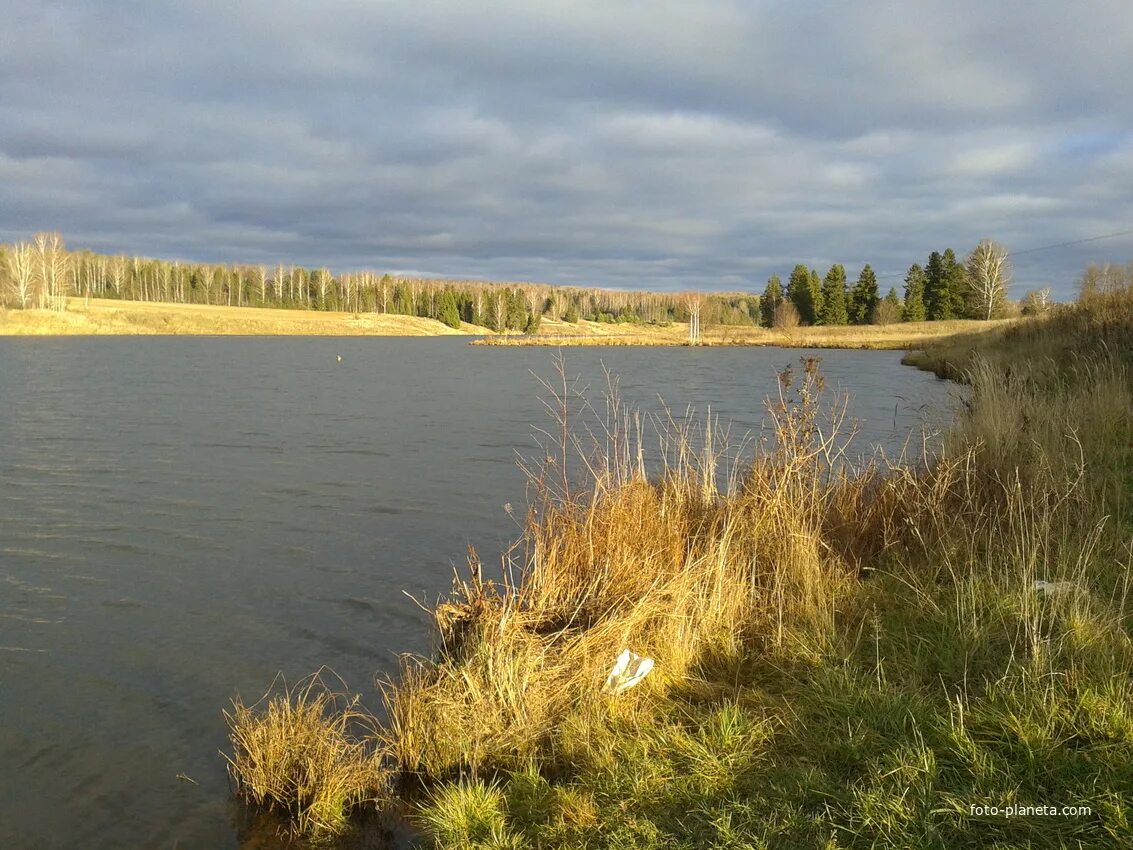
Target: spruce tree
{"points": [[863, 297], [834, 296], [817, 302], [571, 313], [403, 300], [516, 310], [770, 301], [937, 302], [957, 287], [797, 285], [449, 313], [914, 310]]}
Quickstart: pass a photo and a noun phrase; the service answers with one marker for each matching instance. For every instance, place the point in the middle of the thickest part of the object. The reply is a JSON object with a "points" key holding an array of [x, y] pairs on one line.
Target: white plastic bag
{"points": [[629, 669]]}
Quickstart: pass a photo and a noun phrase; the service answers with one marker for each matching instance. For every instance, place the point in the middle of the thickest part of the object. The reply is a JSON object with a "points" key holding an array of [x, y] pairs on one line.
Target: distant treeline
{"points": [[42, 273]]}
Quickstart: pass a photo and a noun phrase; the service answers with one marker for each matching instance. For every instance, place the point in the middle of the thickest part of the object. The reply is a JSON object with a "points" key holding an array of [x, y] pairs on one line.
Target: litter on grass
{"points": [[629, 669]]}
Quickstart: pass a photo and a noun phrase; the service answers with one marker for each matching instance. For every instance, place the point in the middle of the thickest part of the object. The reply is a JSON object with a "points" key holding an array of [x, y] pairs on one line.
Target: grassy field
{"points": [[896, 336], [106, 316], [846, 656]]}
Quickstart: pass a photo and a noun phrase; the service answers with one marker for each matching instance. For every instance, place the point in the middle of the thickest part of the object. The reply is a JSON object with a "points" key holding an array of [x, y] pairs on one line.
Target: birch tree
{"points": [[262, 283], [989, 273], [103, 272], [19, 260], [84, 275], [322, 278], [535, 300], [278, 282], [500, 311], [136, 278], [117, 274], [1036, 302], [52, 265], [290, 285], [206, 282], [695, 303]]}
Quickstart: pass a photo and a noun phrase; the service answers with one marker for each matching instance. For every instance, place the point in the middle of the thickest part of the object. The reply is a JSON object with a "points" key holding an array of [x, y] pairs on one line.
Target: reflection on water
{"points": [[181, 519]]}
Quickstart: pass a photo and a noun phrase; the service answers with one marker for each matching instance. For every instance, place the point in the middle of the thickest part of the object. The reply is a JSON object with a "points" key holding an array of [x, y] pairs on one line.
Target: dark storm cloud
{"points": [[637, 144]]}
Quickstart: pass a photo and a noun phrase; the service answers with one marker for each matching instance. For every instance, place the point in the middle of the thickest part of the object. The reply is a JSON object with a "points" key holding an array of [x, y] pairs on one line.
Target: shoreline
{"points": [[899, 336], [110, 317], [779, 670]]}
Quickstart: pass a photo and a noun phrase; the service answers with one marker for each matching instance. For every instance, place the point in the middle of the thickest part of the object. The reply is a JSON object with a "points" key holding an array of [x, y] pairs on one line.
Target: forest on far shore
{"points": [[41, 273]]}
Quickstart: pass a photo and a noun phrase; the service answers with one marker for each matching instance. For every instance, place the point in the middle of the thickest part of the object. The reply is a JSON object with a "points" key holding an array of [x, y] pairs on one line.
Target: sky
{"points": [[644, 144]]}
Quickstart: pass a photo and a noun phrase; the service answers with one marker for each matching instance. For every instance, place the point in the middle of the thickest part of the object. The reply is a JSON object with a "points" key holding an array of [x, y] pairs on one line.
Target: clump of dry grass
{"points": [[308, 753], [706, 558]]}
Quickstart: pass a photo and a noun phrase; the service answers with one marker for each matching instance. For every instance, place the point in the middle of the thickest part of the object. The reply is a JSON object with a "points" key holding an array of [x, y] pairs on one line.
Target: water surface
{"points": [[182, 518]]}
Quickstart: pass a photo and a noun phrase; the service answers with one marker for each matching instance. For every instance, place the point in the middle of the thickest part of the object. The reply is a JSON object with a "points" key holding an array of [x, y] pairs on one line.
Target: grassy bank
{"points": [[845, 656], [95, 316], [903, 335]]}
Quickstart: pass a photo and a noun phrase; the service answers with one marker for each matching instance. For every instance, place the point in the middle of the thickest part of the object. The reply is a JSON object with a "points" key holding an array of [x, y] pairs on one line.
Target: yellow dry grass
{"points": [[303, 752], [706, 561], [110, 317], [902, 335]]}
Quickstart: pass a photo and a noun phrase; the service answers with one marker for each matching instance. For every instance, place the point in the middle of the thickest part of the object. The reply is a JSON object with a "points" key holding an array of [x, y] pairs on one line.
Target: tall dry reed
{"points": [[707, 557]]}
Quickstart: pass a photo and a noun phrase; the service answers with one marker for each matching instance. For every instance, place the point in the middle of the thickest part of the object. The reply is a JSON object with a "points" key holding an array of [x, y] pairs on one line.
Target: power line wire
{"points": [[890, 275], [1071, 242]]}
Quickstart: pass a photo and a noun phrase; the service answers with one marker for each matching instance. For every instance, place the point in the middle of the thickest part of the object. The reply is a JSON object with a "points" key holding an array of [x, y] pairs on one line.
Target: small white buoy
{"points": [[629, 669]]}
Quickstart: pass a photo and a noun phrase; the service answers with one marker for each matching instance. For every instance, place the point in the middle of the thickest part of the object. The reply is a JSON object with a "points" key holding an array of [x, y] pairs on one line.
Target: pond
{"points": [[183, 518]]}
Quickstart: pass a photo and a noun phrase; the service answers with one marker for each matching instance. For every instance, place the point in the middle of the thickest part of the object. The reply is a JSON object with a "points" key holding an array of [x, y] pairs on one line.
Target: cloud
{"points": [[1000, 159], [661, 144]]}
